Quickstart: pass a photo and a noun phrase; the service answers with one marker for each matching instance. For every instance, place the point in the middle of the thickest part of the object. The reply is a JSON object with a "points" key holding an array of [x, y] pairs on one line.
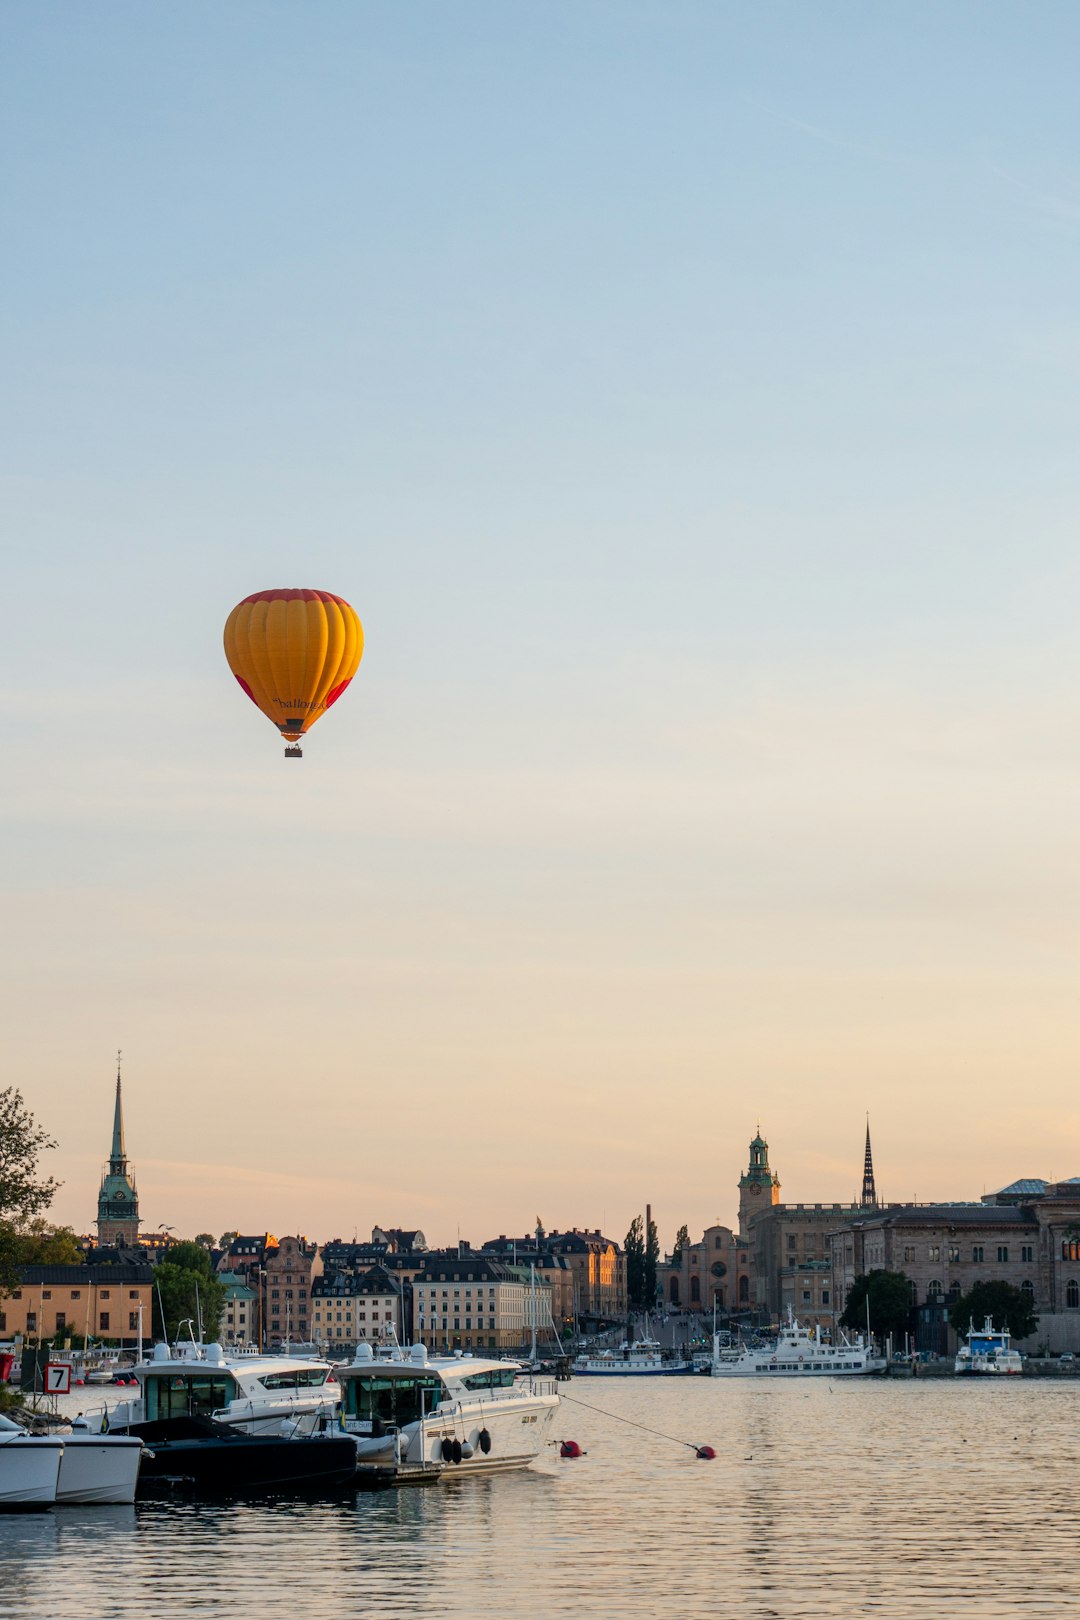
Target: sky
{"points": [[685, 397]]}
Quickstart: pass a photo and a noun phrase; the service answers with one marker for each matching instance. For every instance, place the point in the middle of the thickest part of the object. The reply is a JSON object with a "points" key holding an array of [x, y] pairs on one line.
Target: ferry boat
{"points": [[798, 1355], [256, 1393], [642, 1358], [415, 1416], [988, 1351]]}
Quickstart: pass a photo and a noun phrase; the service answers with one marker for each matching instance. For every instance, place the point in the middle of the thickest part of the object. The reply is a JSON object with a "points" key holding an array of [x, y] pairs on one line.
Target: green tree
{"points": [[24, 1193], [185, 1286], [45, 1245], [889, 1293], [652, 1259], [682, 1243], [205, 1239], [1005, 1305], [635, 1264], [226, 1238]]}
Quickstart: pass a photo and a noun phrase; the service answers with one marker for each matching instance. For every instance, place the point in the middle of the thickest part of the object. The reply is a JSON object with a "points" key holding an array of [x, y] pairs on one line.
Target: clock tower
{"points": [[118, 1201], [759, 1188]]}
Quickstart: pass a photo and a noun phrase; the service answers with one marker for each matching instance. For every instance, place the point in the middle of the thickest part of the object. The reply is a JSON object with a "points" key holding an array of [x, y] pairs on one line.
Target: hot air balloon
{"points": [[294, 653]]}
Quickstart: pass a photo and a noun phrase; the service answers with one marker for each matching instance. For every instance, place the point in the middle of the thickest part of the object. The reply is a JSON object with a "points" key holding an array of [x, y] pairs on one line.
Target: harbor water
{"points": [[886, 1498]]}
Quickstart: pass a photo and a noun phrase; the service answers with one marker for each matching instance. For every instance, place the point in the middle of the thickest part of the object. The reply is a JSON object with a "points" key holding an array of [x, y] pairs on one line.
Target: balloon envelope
{"points": [[294, 652]]}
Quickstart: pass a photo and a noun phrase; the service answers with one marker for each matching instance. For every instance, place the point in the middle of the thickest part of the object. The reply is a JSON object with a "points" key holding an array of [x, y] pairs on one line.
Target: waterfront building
{"points": [[246, 1256], [292, 1265], [239, 1314], [1025, 1235], [118, 1199], [347, 1307], [598, 1268], [759, 1187], [99, 1302], [710, 1275], [400, 1240], [555, 1269], [470, 1302]]}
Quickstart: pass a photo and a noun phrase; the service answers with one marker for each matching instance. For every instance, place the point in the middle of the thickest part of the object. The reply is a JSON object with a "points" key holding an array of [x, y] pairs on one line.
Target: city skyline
{"points": [[684, 399]]}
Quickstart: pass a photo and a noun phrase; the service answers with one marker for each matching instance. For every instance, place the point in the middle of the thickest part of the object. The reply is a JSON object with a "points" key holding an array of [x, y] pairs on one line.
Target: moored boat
{"points": [[29, 1468], [988, 1351], [640, 1358], [798, 1354], [198, 1457]]}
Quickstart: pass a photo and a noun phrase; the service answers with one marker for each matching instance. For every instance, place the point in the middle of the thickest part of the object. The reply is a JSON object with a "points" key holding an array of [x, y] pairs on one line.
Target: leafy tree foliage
{"points": [[185, 1286], [1005, 1305], [889, 1293], [205, 1239], [226, 1238], [652, 1259], [635, 1264], [682, 1243], [24, 1193]]}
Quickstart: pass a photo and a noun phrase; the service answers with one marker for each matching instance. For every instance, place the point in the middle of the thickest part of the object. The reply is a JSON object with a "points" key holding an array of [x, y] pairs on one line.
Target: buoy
{"points": [[705, 1452], [455, 1450], [570, 1448], [484, 1441], [447, 1450]]}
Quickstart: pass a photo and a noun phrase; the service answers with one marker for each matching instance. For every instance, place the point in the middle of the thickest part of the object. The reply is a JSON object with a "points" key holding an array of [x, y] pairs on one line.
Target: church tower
{"points": [[758, 1186], [118, 1201], [869, 1191]]}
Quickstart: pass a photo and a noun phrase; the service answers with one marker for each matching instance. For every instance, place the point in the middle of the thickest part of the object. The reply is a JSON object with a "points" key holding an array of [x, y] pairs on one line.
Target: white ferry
{"points": [[988, 1351], [256, 1393], [798, 1355], [408, 1412], [643, 1357]]}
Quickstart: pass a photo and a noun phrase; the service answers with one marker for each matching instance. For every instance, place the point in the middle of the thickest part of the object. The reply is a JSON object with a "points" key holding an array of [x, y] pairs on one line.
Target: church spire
{"points": [[118, 1158], [869, 1191]]}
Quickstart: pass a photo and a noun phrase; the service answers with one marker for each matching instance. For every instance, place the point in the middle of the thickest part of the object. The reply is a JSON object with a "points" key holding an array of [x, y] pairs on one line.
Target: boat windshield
{"points": [[188, 1394], [392, 1400], [494, 1378], [295, 1378]]}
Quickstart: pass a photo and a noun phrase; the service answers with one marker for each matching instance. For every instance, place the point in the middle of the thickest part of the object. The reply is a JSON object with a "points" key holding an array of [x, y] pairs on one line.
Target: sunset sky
{"points": [[686, 398]]}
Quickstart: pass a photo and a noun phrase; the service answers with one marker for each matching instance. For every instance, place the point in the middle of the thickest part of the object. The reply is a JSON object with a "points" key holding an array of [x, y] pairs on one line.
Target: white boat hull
{"points": [[98, 1468], [667, 1369], [29, 1470]]}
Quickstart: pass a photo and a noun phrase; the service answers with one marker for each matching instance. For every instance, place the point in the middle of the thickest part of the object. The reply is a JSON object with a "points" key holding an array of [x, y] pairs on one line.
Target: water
{"points": [[882, 1498]]}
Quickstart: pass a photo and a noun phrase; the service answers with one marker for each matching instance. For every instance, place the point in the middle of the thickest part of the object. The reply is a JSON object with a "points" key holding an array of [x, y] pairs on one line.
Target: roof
{"points": [[32, 1275], [1026, 1187], [949, 1215]]}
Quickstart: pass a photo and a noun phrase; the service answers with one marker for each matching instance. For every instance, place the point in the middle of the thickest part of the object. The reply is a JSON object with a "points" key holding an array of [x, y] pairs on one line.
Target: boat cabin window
{"points": [[392, 1400], [494, 1378], [295, 1378], [188, 1394]]}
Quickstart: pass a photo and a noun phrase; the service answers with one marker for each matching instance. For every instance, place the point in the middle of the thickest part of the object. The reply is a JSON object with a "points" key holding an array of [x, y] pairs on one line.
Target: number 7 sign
{"points": [[58, 1378]]}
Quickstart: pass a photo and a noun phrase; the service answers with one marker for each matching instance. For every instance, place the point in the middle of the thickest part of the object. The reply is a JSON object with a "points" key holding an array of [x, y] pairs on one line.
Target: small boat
{"points": [[196, 1456], [410, 1416], [92, 1467], [29, 1468], [798, 1354], [640, 1358], [988, 1351]]}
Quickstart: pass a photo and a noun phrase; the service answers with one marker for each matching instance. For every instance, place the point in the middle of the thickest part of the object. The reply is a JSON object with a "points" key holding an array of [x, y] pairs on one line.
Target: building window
{"points": [[977, 1254], [1072, 1294], [1003, 1253], [1070, 1249], [103, 1293], [933, 1290], [1027, 1252], [824, 1296], [133, 1319], [76, 1293], [934, 1252], [909, 1251], [103, 1321], [954, 1253], [46, 1293], [1027, 1287]]}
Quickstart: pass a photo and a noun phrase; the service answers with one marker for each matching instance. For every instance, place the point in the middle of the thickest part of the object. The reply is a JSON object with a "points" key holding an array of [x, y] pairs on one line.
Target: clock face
{"points": [[120, 1196]]}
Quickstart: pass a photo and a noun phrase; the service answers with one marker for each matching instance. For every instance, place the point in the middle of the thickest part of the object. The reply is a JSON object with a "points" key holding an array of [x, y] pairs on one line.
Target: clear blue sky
{"points": [[685, 397]]}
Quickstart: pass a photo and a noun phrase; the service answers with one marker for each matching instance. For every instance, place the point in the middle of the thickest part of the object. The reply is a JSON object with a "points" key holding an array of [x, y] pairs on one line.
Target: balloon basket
{"points": [[294, 751]]}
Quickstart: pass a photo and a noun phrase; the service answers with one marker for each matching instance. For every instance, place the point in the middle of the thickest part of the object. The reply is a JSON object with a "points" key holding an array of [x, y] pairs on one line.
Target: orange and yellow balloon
{"points": [[294, 653]]}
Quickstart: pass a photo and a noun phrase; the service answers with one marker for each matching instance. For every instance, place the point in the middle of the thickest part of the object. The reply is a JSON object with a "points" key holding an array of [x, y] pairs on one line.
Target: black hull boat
{"points": [[197, 1457]]}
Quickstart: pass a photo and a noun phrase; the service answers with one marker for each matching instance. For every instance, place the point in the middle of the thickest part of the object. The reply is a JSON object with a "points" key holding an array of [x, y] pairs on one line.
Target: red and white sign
{"points": [[58, 1378]]}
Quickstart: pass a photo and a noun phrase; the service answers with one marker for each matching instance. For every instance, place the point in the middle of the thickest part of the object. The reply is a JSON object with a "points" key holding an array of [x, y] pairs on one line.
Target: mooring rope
{"points": [[632, 1422]]}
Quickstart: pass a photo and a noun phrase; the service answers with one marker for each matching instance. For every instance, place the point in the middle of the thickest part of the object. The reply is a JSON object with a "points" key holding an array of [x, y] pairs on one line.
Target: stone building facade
{"points": [[100, 1302], [711, 1274], [598, 1267], [470, 1302], [348, 1307], [291, 1268]]}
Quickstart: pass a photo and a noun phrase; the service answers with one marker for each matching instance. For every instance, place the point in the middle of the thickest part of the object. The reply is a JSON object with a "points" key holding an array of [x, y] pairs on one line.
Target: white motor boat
{"points": [[988, 1351], [258, 1394], [98, 1467], [411, 1413], [797, 1354], [29, 1467], [642, 1357]]}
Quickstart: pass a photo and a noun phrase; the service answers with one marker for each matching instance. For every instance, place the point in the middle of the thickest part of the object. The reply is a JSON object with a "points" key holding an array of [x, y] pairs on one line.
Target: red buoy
{"points": [[570, 1448], [705, 1452]]}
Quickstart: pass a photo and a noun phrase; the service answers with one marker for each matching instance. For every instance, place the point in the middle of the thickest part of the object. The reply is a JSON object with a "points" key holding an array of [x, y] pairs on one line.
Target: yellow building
{"points": [[96, 1302]]}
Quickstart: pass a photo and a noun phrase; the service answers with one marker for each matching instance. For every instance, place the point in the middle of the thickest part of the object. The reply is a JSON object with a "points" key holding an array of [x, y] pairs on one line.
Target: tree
{"points": [[635, 1264], [652, 1258], [889, 1293], [1005, 1305], [23, 1192], [185, 1287], [682, 1243], [44, 1245], [205, 1240], [226, 1238]]}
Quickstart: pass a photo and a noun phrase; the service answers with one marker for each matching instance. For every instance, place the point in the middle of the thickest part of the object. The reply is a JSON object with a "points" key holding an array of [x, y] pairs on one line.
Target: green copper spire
{"points": [[118, 1158]]}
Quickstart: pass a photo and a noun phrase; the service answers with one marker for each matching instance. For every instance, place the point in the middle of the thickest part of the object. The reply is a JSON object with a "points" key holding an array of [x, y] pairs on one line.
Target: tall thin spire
{"points": [[869, 1191], [118, 1158]]}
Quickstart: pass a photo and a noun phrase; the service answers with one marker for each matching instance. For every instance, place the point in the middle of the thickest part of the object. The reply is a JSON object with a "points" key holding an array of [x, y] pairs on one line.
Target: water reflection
{"points": [[895, 1500]]}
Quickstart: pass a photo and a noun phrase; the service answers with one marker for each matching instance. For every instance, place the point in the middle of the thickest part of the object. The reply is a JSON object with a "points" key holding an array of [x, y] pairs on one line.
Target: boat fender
{"points": [[455, 1450], [447, 1449], [706, 1453], [484, 1440], [570, 1448], [466, 1450]]}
